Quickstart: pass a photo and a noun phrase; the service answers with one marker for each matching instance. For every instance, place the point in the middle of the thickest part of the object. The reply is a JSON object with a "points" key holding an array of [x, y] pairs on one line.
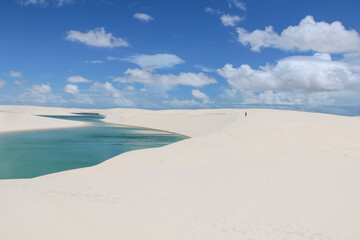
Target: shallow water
{"points": [[36, 153]]}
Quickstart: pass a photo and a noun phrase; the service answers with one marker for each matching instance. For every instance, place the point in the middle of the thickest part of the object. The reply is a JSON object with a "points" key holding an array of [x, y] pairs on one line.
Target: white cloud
{"points": [[269, 97], [146, 76], [40, 94], [43, 3], [32, 2], [17, 82], [110, 58], [153, 61], [2, 83], [307, 36], [143, 17], [41, 89], [130, 88], [290, 98], [95, 61], [96, 38], [77, 96], [77, 79], [308, 73], [181, 103], [72, 89], [198, 94], [14, 74], [20, 83], [83, 99], [108, 88], [205, 69], [61, 3], [237, 4], [212, 10], [229, 20], [110, 91]]}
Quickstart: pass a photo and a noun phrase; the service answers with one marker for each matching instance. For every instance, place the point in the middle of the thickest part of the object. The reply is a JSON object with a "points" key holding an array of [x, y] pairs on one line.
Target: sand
{"points": [[26, 120], [273, 175]]}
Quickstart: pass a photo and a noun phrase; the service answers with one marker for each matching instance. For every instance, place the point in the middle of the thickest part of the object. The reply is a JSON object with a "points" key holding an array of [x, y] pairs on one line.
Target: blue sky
{"points": [[302, 55]]}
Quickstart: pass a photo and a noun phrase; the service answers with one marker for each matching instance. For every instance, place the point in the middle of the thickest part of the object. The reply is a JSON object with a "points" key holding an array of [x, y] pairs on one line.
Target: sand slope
{"points": [[273, 175], [10, 122], [37, 110], [191, 123]]}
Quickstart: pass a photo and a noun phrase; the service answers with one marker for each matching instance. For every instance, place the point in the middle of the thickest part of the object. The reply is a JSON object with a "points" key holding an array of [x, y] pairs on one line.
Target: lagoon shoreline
{"points": [[275, 174]]}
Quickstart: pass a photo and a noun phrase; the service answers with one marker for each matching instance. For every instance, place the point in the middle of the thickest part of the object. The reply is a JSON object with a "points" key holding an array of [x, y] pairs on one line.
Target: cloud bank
{"points": [[309, 35], [111, 92], [40, 94], [308, 73], [146, 76]]}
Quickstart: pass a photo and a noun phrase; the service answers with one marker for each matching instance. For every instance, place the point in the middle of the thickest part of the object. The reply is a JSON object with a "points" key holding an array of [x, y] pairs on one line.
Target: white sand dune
{"points": [[13, 122], [273, 175], [36, 110]]}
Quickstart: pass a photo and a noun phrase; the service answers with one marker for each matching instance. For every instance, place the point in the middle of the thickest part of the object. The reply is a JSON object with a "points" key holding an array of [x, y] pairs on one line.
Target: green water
{"points": [[36, 153]]}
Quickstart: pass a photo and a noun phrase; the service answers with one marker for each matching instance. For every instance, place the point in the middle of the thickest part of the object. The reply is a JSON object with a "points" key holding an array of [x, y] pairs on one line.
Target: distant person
{"points": [[245, 114]]}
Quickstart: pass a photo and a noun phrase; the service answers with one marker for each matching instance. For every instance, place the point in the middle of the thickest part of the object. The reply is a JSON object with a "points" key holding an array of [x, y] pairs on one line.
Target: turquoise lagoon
{"points": [[35, 153]]}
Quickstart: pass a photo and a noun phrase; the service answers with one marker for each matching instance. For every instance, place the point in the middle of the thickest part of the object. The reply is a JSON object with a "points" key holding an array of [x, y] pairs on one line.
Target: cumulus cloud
{"points": [[77, 96], [77, 79], [198, 94], [96, 38], [308, 73], [282, 98], [307, 36], [108, 88], [14, 74], [228, 20], [237, 4], [41, 89], [2, 83], [146, 76], [110, 91], [72, 89], [154, 61], [143, 17], [40, 94]]}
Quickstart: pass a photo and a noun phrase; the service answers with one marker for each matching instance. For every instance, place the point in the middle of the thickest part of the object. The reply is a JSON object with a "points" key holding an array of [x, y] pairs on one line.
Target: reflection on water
{"points": [[36, 153]]}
